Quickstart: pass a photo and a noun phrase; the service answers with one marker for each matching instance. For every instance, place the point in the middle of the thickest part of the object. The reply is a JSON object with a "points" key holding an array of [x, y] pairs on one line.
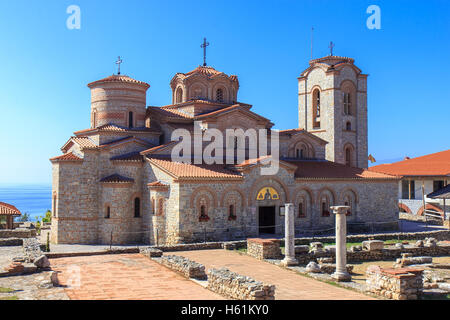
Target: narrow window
{"points": [[179, 95], [130, 119], [108, 212], [231, 212], [137, 207], [316, 109], [348, 156], [219, 95], [301, 210], [325, 212], [160, 206], [153, 206], [347, 104], [348, 126], [94, 120], [54, 205]]}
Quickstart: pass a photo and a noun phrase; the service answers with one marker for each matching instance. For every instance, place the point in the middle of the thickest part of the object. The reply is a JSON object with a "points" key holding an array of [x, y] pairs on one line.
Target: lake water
{"points": [[34, 199]]}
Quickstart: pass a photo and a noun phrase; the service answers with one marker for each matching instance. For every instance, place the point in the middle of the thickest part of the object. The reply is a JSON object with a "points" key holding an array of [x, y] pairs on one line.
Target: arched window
{"points": [[203, 210], [347, 103], [325, 207], [301, 152], [219, 95], [94, 119], [302, 209], [137, 207], [130, 119], [316, 108], [108, 212], [153, 206], [179, 95], [160, 206], [231, 212], [348, 126], [348, 156]]}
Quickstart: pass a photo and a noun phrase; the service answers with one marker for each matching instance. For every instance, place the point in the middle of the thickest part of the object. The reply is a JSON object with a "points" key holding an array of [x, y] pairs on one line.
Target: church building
{"points": [[116, 181]]}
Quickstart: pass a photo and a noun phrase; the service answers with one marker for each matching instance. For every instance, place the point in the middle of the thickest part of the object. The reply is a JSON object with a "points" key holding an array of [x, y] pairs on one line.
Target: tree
{"points": [[24, 217], [47, 217]]}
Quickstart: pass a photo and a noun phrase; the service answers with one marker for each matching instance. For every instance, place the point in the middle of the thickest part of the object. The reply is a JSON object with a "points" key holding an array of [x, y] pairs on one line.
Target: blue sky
{"points": [[45, 66]]}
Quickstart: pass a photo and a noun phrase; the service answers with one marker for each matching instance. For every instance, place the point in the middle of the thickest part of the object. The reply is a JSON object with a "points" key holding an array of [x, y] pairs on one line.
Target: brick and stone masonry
{"points": [[111, 184]]}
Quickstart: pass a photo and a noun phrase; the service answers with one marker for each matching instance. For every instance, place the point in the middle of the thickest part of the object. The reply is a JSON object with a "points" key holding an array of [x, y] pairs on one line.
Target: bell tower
{"points": [[332, 104]]}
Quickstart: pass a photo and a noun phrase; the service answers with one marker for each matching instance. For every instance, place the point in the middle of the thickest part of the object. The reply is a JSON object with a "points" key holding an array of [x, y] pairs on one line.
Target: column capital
{"points": [[340, 209]]}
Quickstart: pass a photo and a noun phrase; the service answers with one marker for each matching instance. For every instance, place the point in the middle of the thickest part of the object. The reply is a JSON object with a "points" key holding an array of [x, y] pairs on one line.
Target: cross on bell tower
{"points": [[204, 45], [118, 62], [331, 46]]}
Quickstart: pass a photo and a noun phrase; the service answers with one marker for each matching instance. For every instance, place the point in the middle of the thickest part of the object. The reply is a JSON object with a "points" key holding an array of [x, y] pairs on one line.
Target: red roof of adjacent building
{"points": [[8, 210], [435, 164]]}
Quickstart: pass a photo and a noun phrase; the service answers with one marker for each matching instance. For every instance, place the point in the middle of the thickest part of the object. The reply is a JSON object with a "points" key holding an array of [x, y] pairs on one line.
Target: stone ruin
{"points": [[150, 252], [397, 284], [190, 269], [236, 286], [263, 248], [32, 260]]}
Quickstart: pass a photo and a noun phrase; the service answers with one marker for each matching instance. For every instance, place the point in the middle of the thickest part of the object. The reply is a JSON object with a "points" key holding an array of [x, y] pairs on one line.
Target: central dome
{"points": [[204, 83]]}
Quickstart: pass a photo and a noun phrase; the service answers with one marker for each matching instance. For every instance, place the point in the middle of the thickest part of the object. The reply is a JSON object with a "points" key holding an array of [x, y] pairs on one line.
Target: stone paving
{"points": [[125, 276], [7, 254], [26, 287], [289, 285]]}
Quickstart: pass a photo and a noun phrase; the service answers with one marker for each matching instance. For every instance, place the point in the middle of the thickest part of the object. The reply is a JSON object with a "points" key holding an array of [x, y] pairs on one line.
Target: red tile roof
{"points": [[170, 112], [119, 78], [115, 128], [132, 156], [327, 170], [435, 164], [157, 184], [8, 210], [158, 148], [206, 70], [291, 131], [85, 142], [185, 171], [67, 157], [116, 178]]}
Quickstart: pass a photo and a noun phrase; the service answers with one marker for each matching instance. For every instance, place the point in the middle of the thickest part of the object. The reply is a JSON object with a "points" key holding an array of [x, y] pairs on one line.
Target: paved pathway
{"points": [[127, 277], [289, 285]]}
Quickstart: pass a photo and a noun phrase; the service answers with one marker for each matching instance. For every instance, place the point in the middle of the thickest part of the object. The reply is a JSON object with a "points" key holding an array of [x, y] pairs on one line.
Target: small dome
{"points": [[209, 71]]}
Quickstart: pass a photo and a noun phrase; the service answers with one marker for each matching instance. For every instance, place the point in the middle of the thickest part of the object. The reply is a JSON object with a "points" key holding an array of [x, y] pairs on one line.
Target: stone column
{"points": [[341, 273], [289, 245]]}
